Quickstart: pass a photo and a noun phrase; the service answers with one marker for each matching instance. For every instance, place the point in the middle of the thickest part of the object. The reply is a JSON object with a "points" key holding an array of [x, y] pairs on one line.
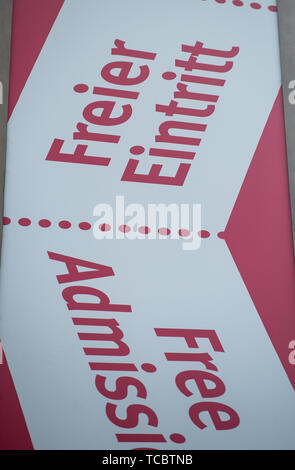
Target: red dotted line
{"points": [[45, 223], [221, 235], [182, 232], [65, 224], [240, 3]]}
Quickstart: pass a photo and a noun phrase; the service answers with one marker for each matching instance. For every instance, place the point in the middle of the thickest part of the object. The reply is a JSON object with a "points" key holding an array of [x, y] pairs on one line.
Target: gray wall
{"points": [[5, 27], [287, 47]]}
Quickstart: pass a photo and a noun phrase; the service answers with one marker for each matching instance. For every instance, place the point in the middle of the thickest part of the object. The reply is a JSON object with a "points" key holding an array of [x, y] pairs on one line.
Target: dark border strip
{"points": [[5, 34], [286, 20]]}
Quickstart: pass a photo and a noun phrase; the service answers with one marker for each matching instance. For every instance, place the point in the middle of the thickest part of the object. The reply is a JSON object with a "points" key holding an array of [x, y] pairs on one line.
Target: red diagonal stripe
{"points": [[259, 237], [14, 434], [32, 21]]}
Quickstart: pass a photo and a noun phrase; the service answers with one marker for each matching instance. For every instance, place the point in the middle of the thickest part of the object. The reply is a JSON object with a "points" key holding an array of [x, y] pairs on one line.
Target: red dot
{"points": [[168, 75], [164, 231], [178, 438], [44, 223], [24, 222], [221, 235], [238, 3], [255, 5], [124, 228], [183, 232], [273, 8], [81, 88], [204, 234], [6, 220], [148, 367], [220, 1], [105, 227], [64, 224], [136, 149], [144, 230], [85, 226]]}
